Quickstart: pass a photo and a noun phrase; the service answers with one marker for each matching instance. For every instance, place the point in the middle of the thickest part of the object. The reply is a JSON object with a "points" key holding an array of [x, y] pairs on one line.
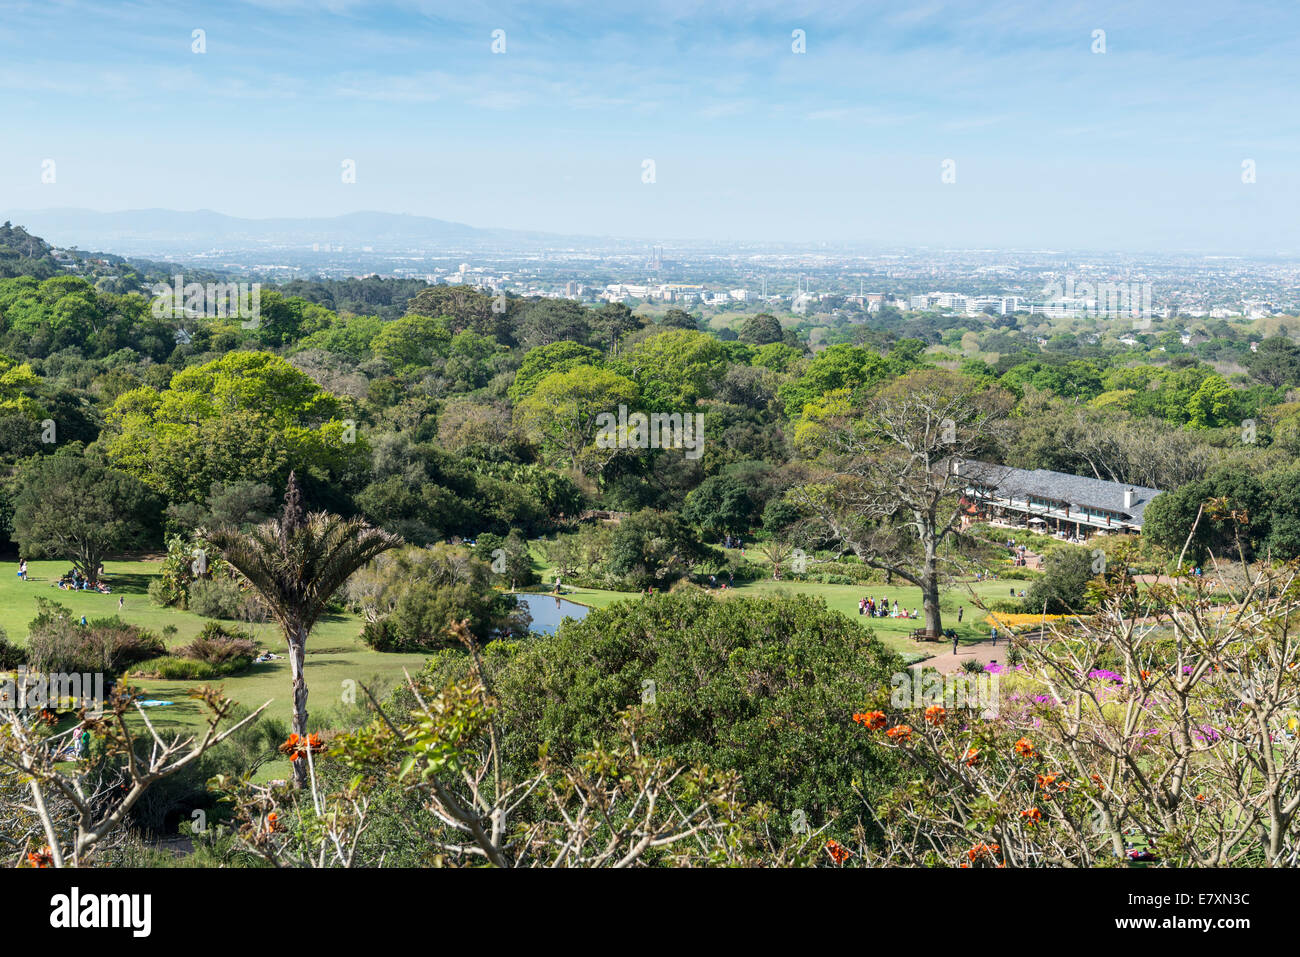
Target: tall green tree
{"points": [[761, 330], [248, 416], [70, 506], [889, 475], [561, 415]]}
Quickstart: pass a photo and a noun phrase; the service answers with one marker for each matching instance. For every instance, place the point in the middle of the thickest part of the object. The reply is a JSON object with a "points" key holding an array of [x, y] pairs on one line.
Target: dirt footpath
{"points": [[985, 652]]}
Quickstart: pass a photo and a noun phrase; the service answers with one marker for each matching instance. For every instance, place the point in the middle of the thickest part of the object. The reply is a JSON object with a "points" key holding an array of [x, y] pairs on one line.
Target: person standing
{"points": [[954, 643], [120, 602], [993, 633], [960, 612]]}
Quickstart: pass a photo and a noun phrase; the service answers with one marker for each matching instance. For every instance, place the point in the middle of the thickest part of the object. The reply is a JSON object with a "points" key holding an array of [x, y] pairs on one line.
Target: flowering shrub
{"points": [[1013, 622], [1175, 753], [296, 746]]}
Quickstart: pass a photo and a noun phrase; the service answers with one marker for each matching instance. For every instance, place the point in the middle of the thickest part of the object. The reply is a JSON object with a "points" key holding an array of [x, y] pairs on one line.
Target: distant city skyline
{"points": [[1143, 147]]}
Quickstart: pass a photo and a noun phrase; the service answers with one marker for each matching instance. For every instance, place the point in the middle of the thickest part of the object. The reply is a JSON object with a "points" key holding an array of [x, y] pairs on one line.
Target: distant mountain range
{"points": [[151, 231]]}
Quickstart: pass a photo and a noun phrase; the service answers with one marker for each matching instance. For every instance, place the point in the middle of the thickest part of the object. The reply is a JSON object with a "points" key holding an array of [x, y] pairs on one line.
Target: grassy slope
{"points": [[844, 598], [334, 652]]}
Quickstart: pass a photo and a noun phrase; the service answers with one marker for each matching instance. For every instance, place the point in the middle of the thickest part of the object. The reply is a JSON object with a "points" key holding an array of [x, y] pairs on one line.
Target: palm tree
{"points": [[296, 563], [776, 552]]}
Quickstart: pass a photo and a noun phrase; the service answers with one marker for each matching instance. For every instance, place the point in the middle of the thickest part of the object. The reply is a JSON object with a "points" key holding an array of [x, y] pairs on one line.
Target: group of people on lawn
{"points": [[884, 609], [75, 581]]}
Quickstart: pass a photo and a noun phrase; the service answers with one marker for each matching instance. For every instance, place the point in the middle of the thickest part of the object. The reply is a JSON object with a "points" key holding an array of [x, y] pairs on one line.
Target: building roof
{"points": [[1077, 490]]}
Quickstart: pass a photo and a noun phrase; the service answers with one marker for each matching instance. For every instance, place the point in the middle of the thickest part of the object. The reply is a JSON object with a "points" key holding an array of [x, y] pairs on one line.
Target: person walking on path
{"points": [[954, 642], [993, 633]]}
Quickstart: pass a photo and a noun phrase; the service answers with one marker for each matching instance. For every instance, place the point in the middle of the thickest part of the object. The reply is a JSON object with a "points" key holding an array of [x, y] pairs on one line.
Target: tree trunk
{"points": [[930, 592], [88, 564], [930, 599], [297, 655]]}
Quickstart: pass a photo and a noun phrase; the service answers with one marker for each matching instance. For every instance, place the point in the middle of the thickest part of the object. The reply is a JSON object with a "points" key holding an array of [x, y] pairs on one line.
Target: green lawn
{"points": [[844, 598], [894, 631], [335, 654]]}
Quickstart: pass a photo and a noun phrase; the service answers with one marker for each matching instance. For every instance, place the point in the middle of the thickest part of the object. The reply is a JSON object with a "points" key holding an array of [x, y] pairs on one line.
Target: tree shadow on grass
{"points": [[129, 583]]}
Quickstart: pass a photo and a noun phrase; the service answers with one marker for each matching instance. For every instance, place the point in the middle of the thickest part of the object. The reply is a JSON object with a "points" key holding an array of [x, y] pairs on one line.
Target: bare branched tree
{"points": [[887, 488], [77, 809], [1162, 728]]}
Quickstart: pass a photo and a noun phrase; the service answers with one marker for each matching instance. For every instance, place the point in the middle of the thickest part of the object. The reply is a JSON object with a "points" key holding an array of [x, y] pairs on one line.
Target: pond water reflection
{"points": [[548, 611]]}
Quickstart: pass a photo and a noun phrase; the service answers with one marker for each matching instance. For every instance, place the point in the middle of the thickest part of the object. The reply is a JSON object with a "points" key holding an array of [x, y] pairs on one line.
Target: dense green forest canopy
{"points": [[444, 411]]}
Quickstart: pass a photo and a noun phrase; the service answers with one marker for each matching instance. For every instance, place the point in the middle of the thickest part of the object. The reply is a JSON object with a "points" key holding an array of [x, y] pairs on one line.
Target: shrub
{"points": [[221, 647], [379, 636], [1063, 587], [216, 598], [1017, 573], [843, 573], [652, 549], [56, 642], [171, 668], [163, 592], [11, 655], [1009, 606], [971, 666], [411, 597], [763, 686]]}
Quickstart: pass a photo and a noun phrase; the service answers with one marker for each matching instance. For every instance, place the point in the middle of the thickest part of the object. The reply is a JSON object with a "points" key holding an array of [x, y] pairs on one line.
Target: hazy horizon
{"points": [[66, 235]]}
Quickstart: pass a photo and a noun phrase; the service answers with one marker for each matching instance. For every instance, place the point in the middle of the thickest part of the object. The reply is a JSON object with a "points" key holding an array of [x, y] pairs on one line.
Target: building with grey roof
{"points": [[1058, 500]]}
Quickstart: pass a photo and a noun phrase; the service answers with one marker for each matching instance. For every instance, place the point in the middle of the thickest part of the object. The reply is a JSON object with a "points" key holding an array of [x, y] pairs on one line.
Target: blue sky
{"points": [[1140, 147]]}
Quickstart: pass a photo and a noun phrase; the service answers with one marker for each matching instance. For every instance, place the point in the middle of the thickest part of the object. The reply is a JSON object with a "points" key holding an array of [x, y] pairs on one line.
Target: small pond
{"points": [[548, 611]]}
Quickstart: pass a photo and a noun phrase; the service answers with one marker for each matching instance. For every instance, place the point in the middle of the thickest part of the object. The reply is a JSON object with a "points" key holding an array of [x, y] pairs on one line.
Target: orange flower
{"points": [[272, 822], [983, 851], [1200, 797], [900, 732], [42, 858], [971, 757], [1146, 675], [873, 720], [1032, 814], [296, 746], [1025, 748], [1096, 779], [1045, 780], [935, 714], [838, 852]]}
